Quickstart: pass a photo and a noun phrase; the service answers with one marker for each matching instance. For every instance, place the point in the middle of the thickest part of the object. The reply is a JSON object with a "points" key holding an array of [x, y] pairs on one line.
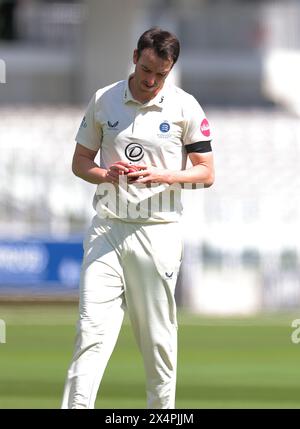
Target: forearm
{"points": [[88, 170], [199, 173], [196, 174]]}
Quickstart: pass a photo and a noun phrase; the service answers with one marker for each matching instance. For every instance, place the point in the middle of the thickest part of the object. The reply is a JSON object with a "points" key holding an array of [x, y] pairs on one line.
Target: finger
{"points": [[119, 163], [138, 173], [119, 168], [125, 163], [143, 180], [141, 166], [113, 173]]}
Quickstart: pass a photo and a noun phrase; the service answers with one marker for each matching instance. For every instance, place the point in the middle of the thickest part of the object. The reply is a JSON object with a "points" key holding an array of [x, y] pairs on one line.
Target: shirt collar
{"points": [[127, 93], [157, 101]]}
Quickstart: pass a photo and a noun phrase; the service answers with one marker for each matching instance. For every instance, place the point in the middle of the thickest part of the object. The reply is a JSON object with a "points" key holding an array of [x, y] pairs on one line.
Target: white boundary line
{"points": [[2, 71], [2, 332]]}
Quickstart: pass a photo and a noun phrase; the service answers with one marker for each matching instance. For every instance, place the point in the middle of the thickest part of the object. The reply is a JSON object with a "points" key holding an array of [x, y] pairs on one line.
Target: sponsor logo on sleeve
{"points": [[204, 128]]}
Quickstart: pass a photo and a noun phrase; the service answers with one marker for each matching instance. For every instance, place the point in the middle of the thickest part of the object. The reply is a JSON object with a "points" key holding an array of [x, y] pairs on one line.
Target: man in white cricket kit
{"points": [[144, 128]]}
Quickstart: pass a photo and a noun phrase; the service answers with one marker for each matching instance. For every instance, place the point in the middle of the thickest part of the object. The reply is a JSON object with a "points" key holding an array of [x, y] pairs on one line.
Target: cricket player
{"points": [[144, 128]]}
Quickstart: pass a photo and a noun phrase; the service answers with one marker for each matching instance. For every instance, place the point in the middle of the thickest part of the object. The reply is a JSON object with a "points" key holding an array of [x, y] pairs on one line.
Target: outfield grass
{"points": [[222, 363]]}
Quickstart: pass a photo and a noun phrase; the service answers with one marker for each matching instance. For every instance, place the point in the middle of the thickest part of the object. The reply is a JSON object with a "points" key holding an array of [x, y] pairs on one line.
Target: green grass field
{"points": [[222, 362]]}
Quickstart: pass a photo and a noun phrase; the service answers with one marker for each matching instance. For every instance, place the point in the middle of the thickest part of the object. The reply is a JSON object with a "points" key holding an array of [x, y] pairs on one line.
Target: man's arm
{"points": [[84, 166], [202, 171]]}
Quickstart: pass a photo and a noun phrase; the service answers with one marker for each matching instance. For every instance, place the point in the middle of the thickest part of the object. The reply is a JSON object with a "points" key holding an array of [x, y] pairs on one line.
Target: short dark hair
{"points": [[165, 44]]}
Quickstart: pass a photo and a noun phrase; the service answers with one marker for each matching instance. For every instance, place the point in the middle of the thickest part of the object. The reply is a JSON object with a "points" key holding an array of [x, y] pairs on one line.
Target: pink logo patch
{"points": [[204, 127]]}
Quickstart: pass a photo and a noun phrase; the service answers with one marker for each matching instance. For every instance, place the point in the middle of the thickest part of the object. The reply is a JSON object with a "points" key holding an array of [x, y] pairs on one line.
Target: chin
{"points": [[146, 88]]}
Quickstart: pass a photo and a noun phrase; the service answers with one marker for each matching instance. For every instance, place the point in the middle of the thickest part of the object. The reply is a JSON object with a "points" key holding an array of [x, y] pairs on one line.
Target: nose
{"points": [[150, 80]]}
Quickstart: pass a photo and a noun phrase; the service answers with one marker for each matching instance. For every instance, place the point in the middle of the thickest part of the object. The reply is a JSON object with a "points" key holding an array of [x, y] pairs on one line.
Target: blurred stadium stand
{"points": [[249, 241], [233, 52], [244, 256], [37, 184]]}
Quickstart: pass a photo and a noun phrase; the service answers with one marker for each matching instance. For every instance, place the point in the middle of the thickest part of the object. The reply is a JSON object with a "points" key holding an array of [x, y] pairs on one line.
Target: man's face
{"points": [[150, 72]]}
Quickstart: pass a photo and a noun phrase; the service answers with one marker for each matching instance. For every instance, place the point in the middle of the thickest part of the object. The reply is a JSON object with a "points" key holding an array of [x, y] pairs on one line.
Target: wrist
{"points": [[102, 175], [172, 178]]}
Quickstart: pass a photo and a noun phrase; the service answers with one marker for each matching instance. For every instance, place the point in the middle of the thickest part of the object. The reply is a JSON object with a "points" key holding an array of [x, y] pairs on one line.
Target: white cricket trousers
{"points": [[130, 266]]}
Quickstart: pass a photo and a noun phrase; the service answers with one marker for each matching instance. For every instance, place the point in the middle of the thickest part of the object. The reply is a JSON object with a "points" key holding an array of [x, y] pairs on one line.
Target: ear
{"points": [[135, 56]]}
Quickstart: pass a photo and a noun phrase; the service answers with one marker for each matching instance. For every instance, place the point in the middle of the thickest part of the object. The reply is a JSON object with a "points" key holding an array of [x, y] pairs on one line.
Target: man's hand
{"points": [[115, 170], [202, 171], [150, 174], [120, 168]]}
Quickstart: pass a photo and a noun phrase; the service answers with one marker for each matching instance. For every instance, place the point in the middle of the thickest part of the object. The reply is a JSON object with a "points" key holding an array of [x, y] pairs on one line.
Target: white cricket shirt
{"points": [[159, 133]]}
